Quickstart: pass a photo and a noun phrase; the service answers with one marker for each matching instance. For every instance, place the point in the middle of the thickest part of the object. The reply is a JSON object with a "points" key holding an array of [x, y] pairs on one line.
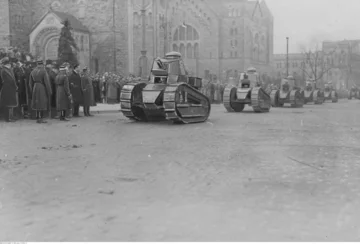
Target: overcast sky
{"points": [[307, 22]]}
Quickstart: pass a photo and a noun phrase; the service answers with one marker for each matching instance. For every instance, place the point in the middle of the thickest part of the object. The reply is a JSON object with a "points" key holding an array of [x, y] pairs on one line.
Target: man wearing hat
{"points": [[88, 91], [76, 89], [52, 75], [63, 95], [8, 91], [20, 76], [41, 91]]}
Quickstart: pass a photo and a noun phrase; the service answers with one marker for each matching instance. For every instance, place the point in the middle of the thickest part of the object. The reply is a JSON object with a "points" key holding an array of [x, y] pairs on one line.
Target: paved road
{"points": [[290, 175]]}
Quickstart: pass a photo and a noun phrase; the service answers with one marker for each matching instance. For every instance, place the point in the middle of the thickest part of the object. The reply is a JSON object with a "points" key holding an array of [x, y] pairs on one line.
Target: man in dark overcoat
{"points": [[76, 89], [63, 95], [52, 75], [41, 91], [88, 90], [8, 90], [20, 75]]}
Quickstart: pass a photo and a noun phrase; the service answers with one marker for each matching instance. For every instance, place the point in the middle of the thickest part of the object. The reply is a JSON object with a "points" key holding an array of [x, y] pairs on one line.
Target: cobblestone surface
{"points": [[290, 175]]}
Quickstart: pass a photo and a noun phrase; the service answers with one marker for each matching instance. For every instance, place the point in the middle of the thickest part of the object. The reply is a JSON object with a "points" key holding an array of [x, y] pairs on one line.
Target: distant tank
{"points": [[312, 94], [288, 94], [170, 94], [354, 93], [248, 92], [330, 94]]}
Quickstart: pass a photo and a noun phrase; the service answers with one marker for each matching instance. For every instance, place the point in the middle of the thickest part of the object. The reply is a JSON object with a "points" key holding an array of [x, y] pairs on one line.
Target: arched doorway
{"points": [[51, 49]]}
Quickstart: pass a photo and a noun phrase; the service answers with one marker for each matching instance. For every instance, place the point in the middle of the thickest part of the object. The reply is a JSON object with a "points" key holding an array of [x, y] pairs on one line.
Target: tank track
{"points": [[130, 99], [260, 100], [133, 108]]}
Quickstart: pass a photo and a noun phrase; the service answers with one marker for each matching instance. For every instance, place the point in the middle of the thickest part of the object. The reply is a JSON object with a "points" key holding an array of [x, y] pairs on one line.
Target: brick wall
{"points": [[4, 23]]}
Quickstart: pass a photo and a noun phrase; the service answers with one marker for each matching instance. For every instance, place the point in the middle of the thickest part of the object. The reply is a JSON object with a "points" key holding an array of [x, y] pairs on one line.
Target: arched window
{"points": [[189, 51], [182, 33], [82, 43], [186, 40], [189, 33], [196, 50], [182, 49], [176, 35], [175, 48]]}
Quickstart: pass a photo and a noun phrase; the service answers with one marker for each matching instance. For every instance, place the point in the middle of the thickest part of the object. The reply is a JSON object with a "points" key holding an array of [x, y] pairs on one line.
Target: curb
{"points": [[106, 111]]}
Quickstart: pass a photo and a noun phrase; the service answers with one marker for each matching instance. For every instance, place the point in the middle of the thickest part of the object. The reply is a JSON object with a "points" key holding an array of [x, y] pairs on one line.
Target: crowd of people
{"points": [[35, 88]]}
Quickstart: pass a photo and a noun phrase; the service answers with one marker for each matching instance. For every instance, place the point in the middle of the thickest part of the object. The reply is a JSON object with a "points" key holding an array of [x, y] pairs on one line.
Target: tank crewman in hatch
{"points": [[41, 91]]}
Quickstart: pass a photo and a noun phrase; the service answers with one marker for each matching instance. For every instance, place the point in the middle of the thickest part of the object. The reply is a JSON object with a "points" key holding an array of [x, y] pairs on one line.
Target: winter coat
{"points": [[62, 92], [20, 77], [88, 91], [76, 88], [41, 89], [8, 91], [52, 76]]}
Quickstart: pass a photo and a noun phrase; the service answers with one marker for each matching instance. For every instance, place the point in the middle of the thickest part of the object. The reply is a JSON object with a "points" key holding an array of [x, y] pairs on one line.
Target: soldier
{"points": [[52, 75], [41, 91], [8, 90], [20, 76], [245, 82], [63, 95], [88, 91], [76, 89]]}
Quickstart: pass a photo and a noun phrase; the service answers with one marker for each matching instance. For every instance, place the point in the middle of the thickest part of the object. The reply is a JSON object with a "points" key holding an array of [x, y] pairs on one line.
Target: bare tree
{"points": [[315, 64]]}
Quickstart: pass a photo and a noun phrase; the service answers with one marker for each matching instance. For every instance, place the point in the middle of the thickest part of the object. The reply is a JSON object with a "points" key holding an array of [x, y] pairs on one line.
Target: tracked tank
{"points": [[354, 93], [288, 94], [330, 94], [170, 94], [248, 92], [312, 94]]}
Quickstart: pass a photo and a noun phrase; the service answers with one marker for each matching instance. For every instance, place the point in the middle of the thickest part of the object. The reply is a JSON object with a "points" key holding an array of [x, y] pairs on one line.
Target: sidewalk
{"points": [[115, 108], [105, 108]]}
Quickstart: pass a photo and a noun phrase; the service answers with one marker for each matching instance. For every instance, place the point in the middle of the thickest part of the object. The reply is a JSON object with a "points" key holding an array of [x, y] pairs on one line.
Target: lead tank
{"points": [[289, 93], [247, 92], [170, 94]]}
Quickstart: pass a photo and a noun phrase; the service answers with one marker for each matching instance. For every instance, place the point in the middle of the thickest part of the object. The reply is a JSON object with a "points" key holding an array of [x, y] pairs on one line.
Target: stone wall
{"points": [[4, 23]]}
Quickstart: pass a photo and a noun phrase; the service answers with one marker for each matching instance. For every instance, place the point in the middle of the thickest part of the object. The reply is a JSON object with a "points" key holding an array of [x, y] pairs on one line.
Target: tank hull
{"points": [[316, 97], [294, 98], [235, 99], [331, 96], [179, 103]]}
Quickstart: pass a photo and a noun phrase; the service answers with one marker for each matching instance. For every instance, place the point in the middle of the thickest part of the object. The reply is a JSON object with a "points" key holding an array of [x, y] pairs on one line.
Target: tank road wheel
{"points": [[334, 97], [230, 97], [274, 96], [131, 101], [260, 100]]}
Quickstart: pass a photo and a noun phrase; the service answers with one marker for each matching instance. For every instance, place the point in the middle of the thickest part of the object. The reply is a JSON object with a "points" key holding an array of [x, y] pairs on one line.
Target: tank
{"points": [[312, 94], [330, 94], [169, 94], [354, 93], [288, 94], [246, 92]]}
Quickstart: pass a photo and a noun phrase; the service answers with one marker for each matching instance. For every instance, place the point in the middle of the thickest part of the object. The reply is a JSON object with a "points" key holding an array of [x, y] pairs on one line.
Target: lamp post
{"points": [[287, 56], [114, 29], [143, 61]]}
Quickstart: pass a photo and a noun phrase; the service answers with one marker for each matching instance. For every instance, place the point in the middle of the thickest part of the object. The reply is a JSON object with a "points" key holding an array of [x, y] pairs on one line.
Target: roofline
{"points": [[39, 21]]}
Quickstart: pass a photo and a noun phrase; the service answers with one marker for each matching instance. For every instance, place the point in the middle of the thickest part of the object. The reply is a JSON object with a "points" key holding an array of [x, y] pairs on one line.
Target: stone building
{"points": [[296, 65], [215, 37]]}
